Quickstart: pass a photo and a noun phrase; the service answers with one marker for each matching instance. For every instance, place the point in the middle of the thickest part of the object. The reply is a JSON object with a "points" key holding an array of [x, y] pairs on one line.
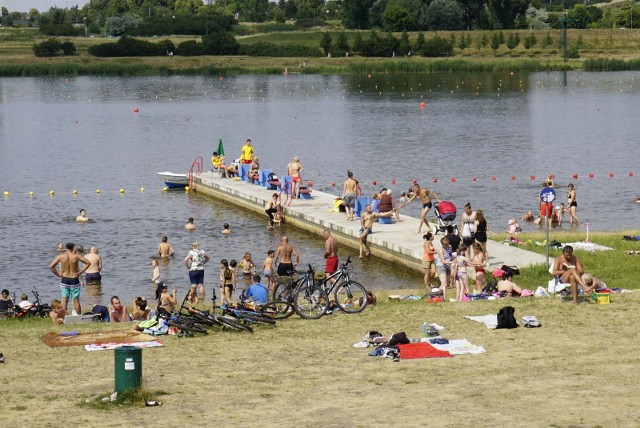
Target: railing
{"points": [[196, 168]]}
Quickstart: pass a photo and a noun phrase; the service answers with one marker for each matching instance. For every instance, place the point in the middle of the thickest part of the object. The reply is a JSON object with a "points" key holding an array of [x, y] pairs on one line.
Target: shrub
{"points": [[438, 46], [51, 47], [127, 46], [269, 49], [57, 30], [190, 48]]}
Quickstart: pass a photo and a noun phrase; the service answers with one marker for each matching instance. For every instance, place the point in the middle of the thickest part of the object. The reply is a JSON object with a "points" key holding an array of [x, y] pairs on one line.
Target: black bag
{"points": [[399, 339], [492, 285], [506, 318]]}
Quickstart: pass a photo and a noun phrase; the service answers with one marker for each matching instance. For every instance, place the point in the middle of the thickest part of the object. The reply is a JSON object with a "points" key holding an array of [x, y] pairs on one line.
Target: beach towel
{"points": [[460, 347], [491, 320], [587, 246], [412, 351], [55, 339], [114, 345]]}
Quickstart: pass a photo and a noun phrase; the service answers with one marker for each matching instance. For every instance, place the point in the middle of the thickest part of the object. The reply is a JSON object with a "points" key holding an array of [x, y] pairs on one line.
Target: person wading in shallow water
{"points": [[69, 275]]}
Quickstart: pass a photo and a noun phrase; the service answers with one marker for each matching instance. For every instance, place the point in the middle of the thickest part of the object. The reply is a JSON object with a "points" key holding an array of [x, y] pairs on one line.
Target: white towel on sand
{"points": [[460, 347]]}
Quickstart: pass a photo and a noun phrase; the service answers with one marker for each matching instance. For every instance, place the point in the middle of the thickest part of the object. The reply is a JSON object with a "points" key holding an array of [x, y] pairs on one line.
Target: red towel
{"points": [[421, 350]]}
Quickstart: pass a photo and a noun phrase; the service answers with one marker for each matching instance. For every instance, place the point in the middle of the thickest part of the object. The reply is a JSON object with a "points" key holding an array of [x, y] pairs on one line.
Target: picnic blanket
{"points": [[491, 320], [411, 351], [55, 340], [113, 345], [460, 347], [587, 246]]}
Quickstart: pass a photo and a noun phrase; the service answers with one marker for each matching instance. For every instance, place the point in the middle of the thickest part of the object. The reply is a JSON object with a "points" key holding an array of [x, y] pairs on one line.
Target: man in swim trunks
{"points": [[349, 192], [272, 208], [366, 221], [283, 254], [247, 152], [69, 275], [164, 248], [425, 195], [568, 269], [93, 272], [330, 253], [294, 169]]}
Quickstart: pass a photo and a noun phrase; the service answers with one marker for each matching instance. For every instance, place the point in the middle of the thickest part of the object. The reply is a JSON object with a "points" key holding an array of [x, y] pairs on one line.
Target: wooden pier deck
{"points": [[398, 242]]}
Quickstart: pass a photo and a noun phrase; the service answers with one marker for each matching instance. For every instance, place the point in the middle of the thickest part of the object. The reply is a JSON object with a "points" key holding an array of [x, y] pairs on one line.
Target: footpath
{"points": [[397, 242]]}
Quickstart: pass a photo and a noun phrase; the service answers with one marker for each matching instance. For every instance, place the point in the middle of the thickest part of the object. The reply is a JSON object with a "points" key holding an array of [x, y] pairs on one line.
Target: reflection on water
{"points": [[82, 134]]}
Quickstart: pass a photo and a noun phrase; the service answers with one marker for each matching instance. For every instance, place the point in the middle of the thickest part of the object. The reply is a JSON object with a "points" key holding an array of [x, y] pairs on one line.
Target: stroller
{"points": [[445, 215]]}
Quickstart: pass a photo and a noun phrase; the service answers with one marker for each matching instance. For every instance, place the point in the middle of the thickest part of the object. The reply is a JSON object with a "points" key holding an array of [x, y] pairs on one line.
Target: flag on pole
{"points": [[220, 148]]}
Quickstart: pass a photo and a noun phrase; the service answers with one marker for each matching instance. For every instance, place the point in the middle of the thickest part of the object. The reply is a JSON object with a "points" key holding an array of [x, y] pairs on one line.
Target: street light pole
{"points": [[564, 36]]}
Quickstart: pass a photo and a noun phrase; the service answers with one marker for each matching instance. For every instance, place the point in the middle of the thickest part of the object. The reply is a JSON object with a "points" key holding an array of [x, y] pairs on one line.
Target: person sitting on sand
{"points": [[57, 313], [82, 218], [117, 311], [592, 283], [507, 285], [226, 229], [190, 224]]}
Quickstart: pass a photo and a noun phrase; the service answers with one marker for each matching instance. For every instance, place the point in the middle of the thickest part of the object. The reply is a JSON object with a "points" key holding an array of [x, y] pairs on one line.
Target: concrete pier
{"points": [[397, 243]]}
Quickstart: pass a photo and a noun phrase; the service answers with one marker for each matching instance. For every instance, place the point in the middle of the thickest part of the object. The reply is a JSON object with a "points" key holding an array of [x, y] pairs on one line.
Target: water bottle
{"points": [[425, 328]]}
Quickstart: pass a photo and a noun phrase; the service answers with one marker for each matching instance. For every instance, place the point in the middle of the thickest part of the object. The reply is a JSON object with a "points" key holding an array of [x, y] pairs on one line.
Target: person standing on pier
{"points": [[247, 152], [294, 169], [283, 254], [425, 195], [366, 222], [349, 192]]}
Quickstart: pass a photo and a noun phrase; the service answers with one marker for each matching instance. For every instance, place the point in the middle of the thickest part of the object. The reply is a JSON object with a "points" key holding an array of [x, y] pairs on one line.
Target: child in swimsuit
{"points": [[268, 270], [247, 265], [462, 281], [478, 264], [227, 281]]}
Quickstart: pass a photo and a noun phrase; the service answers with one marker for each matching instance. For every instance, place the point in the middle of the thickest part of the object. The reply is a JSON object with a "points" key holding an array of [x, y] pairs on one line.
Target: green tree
{"points": [[495, 42], [397, 18], [530, 41], [445, 15], [356, 13], [580, 16], [513, 41], [505, 11], [342, 44], [420, 43], [325, 43], [547, 41], [357, 42], [404, 46], [537, 19], [118, 25], [390, 45], [462, 45]]}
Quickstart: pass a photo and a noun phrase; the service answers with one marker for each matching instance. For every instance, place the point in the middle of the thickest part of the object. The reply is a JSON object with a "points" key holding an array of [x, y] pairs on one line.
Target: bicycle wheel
{"points": [[185, 327], [282, 291], [233, 324], [311, 302], [202, 319], [257, 318], [351, 297], [277, 310]]}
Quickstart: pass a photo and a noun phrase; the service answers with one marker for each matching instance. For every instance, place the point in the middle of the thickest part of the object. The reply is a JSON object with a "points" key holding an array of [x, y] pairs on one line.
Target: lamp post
{"points": [[84, 20]]}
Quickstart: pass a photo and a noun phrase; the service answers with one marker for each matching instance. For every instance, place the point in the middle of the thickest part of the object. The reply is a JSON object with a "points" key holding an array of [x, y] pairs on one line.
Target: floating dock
{"points": [[397, 243]]}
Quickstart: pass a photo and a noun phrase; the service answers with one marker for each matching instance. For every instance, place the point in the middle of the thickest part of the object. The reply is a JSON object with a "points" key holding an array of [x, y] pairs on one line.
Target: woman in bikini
{"points": [[443, 264], [462, 279], [165, 300], [226, 281], [254, 171], [481, 232], [294, 169], [428, 260]]}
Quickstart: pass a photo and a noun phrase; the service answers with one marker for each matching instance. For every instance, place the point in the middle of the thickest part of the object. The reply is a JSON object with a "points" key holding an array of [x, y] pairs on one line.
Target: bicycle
{"points": [[245, 312], [36, 309], [310, 299], [349, 295]]}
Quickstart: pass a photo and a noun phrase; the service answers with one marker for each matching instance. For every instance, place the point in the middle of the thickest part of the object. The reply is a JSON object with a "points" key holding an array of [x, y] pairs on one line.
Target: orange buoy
{"points": [[310, 184], [423, 104], [136, 110], [533, 177], [513, 177]]}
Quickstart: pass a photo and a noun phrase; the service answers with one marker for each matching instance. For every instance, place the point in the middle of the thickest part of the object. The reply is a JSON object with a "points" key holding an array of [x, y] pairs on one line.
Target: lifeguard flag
{"points": [[220, 148]]}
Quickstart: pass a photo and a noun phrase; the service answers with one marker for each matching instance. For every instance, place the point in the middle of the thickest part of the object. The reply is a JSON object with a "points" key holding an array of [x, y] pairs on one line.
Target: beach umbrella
{"points": [[220, 147]]}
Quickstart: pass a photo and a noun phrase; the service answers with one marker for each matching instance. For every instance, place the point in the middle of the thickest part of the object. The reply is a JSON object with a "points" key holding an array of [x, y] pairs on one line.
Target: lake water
{"points": [[82, 134]]}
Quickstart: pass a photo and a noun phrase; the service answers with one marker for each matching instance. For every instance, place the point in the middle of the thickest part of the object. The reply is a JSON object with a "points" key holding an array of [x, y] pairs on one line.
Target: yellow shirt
{"points": [[216, 160], [247, 152]]}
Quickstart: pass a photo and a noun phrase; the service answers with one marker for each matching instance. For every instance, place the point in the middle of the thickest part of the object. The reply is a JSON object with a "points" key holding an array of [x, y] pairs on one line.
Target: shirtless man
{"points": [[82, 218], [93, 272], [190, 224], [69, 275], [425, 195], [272, 208], [283, 253], [366, 222], [294, 169], [330, 253], [164, 248], [117, 311], [349, 194], [568, 269]]}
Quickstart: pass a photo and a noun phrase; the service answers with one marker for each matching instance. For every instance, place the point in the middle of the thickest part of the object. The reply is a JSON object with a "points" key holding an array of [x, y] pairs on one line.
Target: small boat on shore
{"points": [[174, 181]]}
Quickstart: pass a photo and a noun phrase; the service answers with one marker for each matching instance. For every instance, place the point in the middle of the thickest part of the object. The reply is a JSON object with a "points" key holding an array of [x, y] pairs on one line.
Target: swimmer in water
{"points": [[82, 218]]}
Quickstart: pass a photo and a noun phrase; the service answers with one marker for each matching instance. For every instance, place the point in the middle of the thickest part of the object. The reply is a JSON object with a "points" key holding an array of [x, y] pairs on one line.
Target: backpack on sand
{"points": [[506, 318]]}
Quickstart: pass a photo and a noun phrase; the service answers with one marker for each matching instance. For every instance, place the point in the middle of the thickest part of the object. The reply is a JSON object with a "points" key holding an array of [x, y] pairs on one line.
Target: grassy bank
{"points": [[306, 373], [605, 50]]}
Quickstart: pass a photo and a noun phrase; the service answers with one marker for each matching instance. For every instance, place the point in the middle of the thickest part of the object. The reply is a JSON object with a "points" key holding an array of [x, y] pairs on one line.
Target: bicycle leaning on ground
{"points": [[309, 300], [349, 295]]}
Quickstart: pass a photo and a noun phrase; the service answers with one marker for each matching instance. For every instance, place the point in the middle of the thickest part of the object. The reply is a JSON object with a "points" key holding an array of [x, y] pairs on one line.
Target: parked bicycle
{"points": [[349, 295]]}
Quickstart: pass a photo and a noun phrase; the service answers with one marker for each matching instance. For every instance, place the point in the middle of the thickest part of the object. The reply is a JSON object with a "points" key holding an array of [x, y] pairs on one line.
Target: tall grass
{"points": [[611, 64]]}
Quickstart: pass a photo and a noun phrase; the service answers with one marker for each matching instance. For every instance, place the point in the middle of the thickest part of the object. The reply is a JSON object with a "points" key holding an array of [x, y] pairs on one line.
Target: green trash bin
{"points": [[128, 367]]}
